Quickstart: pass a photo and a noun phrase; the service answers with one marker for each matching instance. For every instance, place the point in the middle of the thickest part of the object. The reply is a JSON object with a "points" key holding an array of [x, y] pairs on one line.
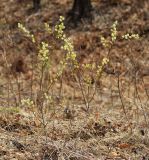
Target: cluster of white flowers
{"points": [[114, 31], [27, 32], [44, 52], [27, 102], [104, 41], [100, 67], [47, 28], [59, 29], [131, 36]]}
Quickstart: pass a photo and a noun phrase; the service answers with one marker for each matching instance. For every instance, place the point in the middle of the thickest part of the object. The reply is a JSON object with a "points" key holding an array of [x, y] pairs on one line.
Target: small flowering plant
{"points": [[129, 36], [43, 54], [109, 43], [26, 32], [114, 34], [86, 75]]}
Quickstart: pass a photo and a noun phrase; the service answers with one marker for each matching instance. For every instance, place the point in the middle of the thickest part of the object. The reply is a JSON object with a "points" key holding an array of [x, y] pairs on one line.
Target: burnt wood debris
{"points": [[80, 9]]}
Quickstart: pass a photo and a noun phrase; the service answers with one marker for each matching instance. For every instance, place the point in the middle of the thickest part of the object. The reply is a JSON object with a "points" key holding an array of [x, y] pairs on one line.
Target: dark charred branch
{"points": [[81, 9], [36, 5]]}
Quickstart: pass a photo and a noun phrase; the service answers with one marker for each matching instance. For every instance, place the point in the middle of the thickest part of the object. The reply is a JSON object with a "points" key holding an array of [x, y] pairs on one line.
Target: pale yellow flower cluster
{"points": [[27, 32], [114, 31], [27, 102], [131, 36], [44, 52]]}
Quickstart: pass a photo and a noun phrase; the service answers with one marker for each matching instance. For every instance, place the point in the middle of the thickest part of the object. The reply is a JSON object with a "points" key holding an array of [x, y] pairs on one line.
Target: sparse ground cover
{"points": [[82, 103]]}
